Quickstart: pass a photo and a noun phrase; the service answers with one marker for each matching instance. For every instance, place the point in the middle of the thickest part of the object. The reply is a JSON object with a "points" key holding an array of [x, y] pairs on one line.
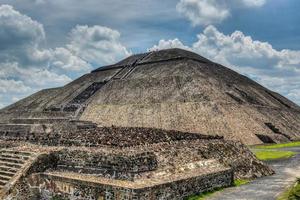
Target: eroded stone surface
{"points": [[153, 126], [151, 163], [170, 89]]}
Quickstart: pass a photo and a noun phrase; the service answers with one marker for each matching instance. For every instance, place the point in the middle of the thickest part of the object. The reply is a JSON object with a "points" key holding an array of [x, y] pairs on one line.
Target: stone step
{"points": [[5, 178], [9, 155], [2, 183], [7, 173], [12, 165], [8, 169], [15, 128], [14, 152], [38, 120], [12, 160]]}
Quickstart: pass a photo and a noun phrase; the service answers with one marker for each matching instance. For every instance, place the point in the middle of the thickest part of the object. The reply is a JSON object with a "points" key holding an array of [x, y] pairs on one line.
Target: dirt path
{"points": [[267, 188]]}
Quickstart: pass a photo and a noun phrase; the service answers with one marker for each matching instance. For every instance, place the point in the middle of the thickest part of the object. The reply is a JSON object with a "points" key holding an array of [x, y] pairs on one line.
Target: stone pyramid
{"points": [[170, 89]]}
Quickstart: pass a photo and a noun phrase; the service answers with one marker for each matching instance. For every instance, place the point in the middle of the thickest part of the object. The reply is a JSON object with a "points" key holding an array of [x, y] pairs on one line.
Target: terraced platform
{"points": [[13, 165], [114, 163], [208, 172]]}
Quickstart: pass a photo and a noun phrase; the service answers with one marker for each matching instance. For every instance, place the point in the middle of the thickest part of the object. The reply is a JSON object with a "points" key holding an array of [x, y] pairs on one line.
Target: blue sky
{"points": [[47, 43]]}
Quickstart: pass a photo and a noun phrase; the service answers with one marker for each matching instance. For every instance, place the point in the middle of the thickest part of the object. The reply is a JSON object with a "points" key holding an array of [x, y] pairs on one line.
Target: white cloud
{"points": [[32, 77], [294, 94], [166, 44], [27, 65], [17, 82], [22, 40], [277, 70], [205, 12], [63, 59], [15, 99], [254, 3], [97, 44], [15, 25], [12, 86]]}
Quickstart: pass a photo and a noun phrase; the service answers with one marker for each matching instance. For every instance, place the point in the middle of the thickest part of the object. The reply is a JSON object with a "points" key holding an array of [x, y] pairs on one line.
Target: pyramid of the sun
{"points": [[169, 89]]}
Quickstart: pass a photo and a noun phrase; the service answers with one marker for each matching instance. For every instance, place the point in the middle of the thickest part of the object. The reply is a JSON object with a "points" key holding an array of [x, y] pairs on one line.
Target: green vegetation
{"points": [[273, 155], [292, 193], [267, 152], [204, 195], [276, 146], [240, 182]]}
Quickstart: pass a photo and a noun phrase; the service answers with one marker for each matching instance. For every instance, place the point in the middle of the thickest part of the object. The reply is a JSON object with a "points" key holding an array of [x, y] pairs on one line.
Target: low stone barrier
{"points": [[71, 135], [50, 186], [124, 166]]}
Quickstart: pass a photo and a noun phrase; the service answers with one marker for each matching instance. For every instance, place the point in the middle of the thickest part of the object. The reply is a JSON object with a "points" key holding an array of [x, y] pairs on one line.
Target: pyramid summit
{"points": [[171, 89]]}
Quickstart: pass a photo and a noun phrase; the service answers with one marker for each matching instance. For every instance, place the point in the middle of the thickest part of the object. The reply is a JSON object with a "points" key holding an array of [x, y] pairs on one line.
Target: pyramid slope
{"points": [[170, 89]]}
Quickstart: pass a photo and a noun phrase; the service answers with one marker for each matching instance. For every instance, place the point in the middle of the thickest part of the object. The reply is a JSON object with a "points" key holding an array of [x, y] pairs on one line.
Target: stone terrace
{"points": [[110, 162], [114, 137]]}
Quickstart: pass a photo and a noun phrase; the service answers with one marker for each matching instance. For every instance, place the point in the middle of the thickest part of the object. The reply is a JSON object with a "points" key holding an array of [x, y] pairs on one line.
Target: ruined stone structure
{"points": [[119, 163], [169, 89], [153, 126]]}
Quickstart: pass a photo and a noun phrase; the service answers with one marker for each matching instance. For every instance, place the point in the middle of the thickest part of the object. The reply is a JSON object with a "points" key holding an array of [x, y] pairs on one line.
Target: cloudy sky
{"points": [[48, 43]]}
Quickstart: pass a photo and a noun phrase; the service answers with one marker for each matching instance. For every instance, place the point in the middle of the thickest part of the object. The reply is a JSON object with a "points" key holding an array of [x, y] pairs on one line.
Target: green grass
{"points": [[291, 194], [204, 195], [240, 182], [276, 146], [273, 155], [267, 152]]}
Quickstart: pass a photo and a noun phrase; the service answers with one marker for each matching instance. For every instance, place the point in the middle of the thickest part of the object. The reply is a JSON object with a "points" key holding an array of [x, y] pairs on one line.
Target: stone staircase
{"points": [[13, 164]]}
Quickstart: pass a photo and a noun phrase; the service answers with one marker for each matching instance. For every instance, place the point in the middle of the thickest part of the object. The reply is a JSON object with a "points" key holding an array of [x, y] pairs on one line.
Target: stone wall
{"points": [[159, 147], [7, 144], [170, 153], [164, 156], [233, 121], [68, 135], [124, 166], [185, 188], [236, 156], [231, 154], [171, 170], [50, 186]]}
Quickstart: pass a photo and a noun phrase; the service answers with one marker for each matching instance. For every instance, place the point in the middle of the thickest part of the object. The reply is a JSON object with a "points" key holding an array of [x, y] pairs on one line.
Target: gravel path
{"points": [[266, 188]]}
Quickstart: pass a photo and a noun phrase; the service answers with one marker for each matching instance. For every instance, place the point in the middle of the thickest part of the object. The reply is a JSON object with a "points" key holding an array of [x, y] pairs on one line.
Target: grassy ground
{"points": [[292, 193], [204, 195], [262, 152], [276, 146], [272, 154], [240, 182], [207, 194]]}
